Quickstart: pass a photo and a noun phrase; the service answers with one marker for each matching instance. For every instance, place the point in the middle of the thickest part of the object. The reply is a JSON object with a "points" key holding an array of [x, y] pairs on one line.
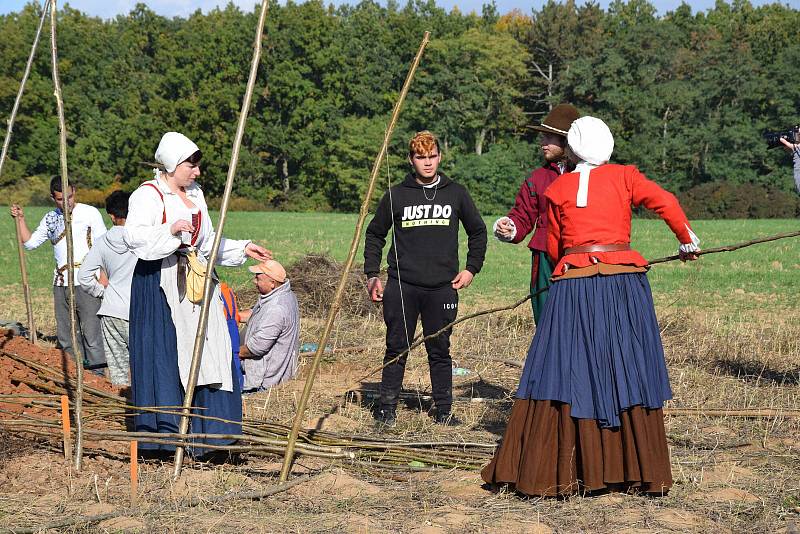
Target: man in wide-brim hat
{"points": [[529, 214]]}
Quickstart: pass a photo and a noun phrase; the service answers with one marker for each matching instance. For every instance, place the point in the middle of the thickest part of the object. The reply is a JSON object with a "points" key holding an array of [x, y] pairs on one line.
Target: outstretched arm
{"points": [[654, 197]]}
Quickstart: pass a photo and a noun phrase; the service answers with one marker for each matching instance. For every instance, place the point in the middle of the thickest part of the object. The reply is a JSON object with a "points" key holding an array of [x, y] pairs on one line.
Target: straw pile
{"points": [[314, 279]]}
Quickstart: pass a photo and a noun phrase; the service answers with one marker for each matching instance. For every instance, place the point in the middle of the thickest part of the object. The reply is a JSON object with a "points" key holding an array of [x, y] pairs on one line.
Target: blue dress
{"points": [[155, 379], [598, 348]]}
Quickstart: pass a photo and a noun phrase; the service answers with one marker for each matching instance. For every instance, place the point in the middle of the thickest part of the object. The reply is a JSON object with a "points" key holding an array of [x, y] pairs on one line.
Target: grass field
{"points": [[754, 277], [731, 330]]}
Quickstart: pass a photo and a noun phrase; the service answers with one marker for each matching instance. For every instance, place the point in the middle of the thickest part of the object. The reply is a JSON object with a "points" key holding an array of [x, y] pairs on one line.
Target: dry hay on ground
{"points": [[314, 280], [731, 474]]}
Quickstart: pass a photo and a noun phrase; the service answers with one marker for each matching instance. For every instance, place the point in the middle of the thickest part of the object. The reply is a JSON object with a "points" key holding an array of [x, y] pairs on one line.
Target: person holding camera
{"points": [[794, 148]]}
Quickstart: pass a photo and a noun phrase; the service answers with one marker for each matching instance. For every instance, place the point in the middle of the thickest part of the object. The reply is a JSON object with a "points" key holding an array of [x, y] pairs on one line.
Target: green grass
{"points": [[757, 276]]}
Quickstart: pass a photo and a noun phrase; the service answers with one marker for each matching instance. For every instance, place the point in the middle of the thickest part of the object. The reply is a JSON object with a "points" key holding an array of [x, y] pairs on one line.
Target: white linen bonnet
{"points": [[174, 149], [591, 141]]}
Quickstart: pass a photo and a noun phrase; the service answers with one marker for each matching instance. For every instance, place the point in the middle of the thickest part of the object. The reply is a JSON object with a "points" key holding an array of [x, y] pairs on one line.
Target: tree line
{"points": [[687, 95]]}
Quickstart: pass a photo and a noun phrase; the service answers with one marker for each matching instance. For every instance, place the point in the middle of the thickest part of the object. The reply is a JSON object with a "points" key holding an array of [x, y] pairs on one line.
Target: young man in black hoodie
{"points": [[423, 212]]}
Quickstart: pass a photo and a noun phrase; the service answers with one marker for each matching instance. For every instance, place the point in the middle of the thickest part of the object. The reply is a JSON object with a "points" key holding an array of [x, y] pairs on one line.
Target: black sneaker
{"points": [[386, 417], [446, 419]]}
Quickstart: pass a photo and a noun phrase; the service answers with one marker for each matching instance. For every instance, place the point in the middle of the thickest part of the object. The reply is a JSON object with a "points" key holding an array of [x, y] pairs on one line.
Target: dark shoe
{"points": [[446, 419], [386, 417]]}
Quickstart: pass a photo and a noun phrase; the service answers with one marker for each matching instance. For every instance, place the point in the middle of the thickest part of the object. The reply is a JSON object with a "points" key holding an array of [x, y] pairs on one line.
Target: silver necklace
{"points": [[435, 188]]}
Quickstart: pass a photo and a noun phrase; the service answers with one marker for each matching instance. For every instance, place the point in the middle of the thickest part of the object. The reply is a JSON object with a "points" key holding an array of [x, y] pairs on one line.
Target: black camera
{"points": [[774, 138]]}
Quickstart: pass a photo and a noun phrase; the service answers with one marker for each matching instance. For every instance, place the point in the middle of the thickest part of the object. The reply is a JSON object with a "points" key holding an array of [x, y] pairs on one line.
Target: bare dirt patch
{"points": [[731, 473]]}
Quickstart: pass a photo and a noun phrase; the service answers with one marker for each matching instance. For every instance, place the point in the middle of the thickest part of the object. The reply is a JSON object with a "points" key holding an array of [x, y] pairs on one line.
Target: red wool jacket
{"points": [[606, 219], [530, 206]]}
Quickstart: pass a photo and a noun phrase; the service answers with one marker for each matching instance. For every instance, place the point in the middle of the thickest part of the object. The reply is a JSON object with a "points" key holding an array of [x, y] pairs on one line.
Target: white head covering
{"points": [[590, 140], [174, 149]]}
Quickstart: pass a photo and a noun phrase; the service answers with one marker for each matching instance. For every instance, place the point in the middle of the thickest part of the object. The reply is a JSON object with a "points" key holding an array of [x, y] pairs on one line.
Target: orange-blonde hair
{"points": [[423, 142]]}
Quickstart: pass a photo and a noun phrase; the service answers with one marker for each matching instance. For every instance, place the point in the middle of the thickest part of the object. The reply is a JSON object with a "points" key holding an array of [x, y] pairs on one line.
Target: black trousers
{"points": [[437, 308]]}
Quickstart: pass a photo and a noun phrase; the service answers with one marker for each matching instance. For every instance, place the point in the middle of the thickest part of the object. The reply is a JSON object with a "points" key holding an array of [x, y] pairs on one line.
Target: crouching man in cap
{"points": [[529, 214], [271, 345]]}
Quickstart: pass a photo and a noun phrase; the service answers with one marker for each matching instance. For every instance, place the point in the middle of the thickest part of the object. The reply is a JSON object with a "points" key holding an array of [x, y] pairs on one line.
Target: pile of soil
{"points": [[314, 280], [18, 378]]}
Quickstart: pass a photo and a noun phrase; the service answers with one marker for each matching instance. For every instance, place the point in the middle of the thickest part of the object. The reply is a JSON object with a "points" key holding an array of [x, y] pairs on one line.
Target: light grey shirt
{"points": [[273, 337], [111, 254]]}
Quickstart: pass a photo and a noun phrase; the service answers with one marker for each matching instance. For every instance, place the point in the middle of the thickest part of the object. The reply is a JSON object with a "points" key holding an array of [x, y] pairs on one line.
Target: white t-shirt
{"points": [[87, 226]]}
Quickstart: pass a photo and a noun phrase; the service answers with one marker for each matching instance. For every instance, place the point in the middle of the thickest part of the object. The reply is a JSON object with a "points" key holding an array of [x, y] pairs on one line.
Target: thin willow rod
{"points": [[756, 413], [180, 437], [100, 435], [58, 377], [31, 403], [372, 393], [58, 390], [474, 461], [399, 456], [65, 190], [335, 305], [729, 248], [419, 340], [13, 422], [202, 324], [24, 396], [375, 449], [26, 288]]}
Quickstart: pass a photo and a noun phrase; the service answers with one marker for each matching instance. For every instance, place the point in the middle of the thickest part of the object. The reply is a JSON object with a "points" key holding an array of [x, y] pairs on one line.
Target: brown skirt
{"points": [[545, 452]]}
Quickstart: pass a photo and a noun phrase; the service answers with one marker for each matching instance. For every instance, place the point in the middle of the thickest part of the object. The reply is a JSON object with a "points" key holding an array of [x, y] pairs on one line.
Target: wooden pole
{"points": [[134, 472], [65, 427], [22, 83], [334, 309], [207, 288], [65, 191], [6, 142], [26, 288]]}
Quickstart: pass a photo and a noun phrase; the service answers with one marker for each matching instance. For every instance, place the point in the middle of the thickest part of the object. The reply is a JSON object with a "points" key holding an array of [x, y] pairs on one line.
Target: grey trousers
{"points": [[115, 344], [87, 327]]}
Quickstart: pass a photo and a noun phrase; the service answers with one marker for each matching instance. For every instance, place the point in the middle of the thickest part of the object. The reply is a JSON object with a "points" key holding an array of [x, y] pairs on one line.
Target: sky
{"points": [[170, 8]]}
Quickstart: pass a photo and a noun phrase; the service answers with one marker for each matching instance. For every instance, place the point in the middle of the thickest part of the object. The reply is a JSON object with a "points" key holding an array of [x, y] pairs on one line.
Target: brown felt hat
{"points": [[558, 120]]}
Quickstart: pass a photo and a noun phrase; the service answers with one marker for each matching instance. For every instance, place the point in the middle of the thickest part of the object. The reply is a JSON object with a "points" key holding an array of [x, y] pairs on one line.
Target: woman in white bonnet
{"points": [[168, 219], [588, 413]]}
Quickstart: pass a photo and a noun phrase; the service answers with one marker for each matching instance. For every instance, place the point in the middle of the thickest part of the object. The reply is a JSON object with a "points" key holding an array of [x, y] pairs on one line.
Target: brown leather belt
{"points": [[597, 248]]}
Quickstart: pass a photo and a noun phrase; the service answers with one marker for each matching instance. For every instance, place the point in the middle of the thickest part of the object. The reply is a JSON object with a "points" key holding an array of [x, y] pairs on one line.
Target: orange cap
{"points": [[271, 268]]}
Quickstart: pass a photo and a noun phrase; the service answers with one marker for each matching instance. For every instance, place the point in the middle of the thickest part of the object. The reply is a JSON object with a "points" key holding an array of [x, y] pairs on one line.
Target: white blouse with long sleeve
{"points": [[87, 226], [150, 239]]}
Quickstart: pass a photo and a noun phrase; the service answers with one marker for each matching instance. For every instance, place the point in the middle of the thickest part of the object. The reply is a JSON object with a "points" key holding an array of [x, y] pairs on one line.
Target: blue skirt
{"points": [[598, 348], [155, 379]]}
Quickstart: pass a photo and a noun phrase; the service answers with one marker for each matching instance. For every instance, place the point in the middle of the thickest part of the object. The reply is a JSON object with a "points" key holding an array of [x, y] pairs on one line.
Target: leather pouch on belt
{"points": [[195, 278]]}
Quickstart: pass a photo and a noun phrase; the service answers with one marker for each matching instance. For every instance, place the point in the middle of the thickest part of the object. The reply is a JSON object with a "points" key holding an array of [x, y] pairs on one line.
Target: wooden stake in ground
{"points": [[202, 324], [25, 287], [65, 190], [334, 309], [134, 472], [65, 428]]}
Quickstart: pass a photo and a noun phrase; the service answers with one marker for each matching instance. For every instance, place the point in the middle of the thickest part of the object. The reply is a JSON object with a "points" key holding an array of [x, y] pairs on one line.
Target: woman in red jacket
{"points": [[588, 413]]}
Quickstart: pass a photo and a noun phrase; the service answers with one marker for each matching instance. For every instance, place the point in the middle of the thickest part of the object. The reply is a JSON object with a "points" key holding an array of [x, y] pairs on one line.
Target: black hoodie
{"points": [[426, 232]]}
